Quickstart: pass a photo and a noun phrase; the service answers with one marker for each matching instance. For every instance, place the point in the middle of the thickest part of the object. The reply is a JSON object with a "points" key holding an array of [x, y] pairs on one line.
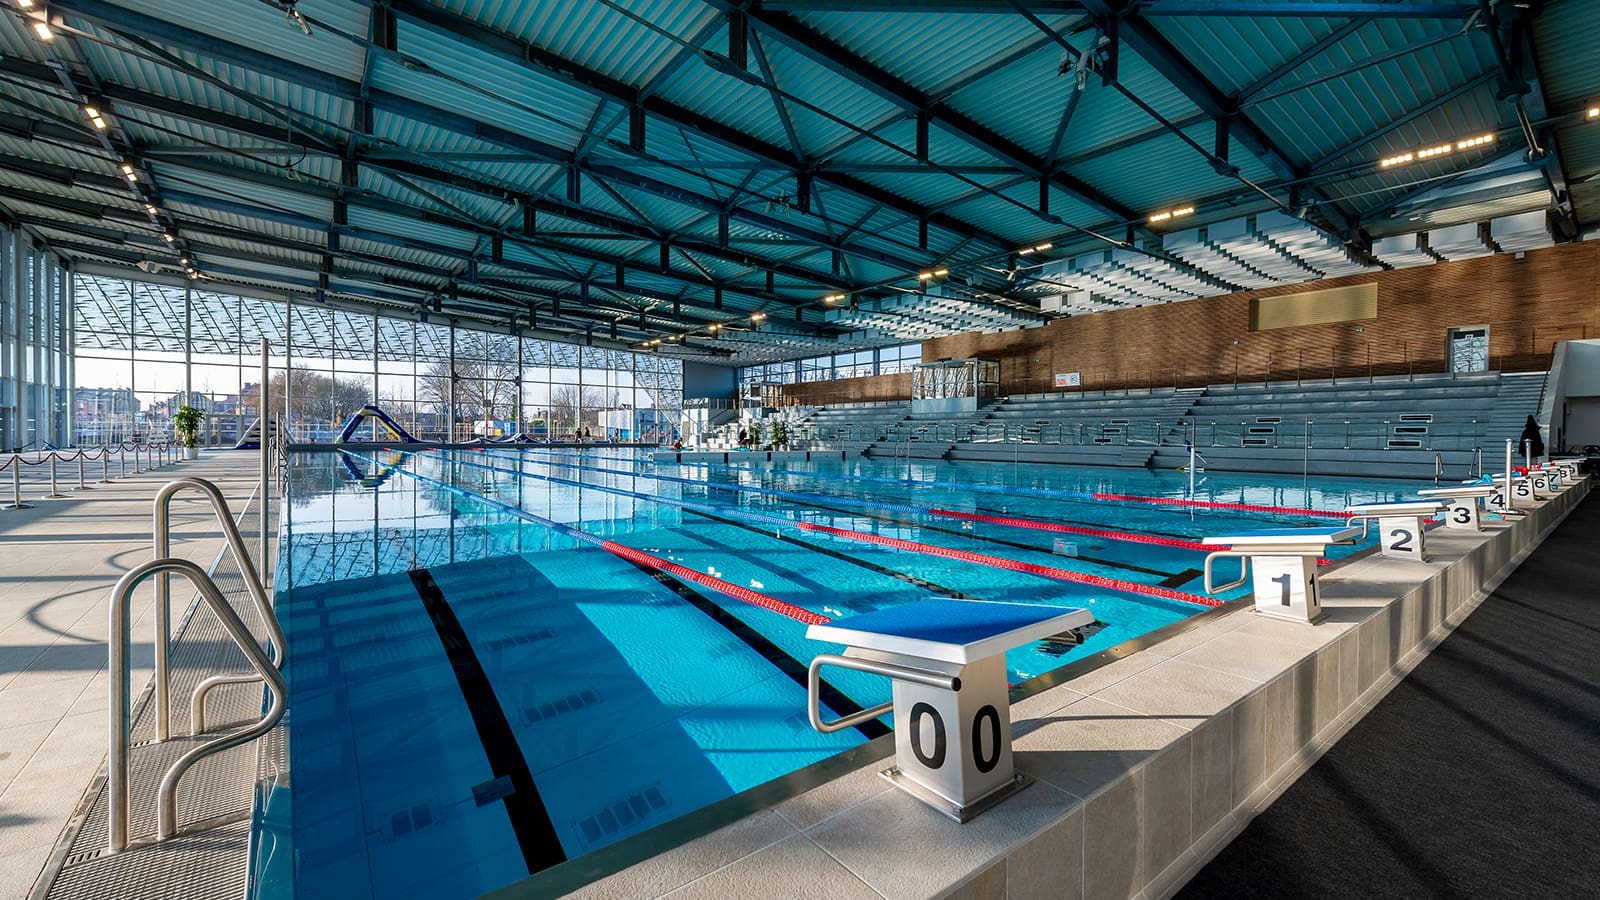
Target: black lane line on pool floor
{"points": [[530, 821], [836, 699]]}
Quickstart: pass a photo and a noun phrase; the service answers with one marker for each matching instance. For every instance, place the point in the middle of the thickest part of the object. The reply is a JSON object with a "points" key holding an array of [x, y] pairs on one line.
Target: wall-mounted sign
{"points": [[1069, 379]]}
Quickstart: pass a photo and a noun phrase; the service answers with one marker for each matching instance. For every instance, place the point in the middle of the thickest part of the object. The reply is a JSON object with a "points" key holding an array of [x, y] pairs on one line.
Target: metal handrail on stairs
{"points": [[266, 661]]}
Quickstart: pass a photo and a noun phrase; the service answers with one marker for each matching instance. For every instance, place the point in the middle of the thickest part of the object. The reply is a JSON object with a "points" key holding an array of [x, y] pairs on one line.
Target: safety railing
{"points": [[145, 457], [1400, 432], [265, 660]]}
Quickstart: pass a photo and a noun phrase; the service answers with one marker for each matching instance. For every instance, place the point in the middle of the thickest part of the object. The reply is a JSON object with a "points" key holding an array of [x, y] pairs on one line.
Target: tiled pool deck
{"points": [[58, 562]]}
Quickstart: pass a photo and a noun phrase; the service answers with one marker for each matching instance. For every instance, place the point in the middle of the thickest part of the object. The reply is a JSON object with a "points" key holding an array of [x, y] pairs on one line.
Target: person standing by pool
{"points": [[1532, 443]]}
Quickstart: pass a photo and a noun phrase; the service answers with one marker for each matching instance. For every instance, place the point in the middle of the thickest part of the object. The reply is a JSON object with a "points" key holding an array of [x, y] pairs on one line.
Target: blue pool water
{"points": [[479, 690]]}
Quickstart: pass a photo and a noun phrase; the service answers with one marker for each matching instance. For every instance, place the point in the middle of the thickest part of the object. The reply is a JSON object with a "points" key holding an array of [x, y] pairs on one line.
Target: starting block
{"points": [[1568, 466], [1461, 504], [952, 702], [1283, 564], [1496, 503], [1521, 491], [1543, 483], [1400, 526]]}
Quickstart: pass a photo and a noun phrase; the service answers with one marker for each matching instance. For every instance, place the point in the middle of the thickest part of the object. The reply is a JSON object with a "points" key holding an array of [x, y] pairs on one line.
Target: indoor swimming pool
{"points": [[505, 659]]}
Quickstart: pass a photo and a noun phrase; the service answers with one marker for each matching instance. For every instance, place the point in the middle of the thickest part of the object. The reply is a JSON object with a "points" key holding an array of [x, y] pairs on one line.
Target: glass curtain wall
{"points": [[145, 349], [882, 361], [35, 334]]}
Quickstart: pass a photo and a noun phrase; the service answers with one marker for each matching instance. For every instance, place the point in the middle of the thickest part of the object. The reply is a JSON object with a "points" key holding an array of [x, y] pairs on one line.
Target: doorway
{"points": [[1468, 349]]}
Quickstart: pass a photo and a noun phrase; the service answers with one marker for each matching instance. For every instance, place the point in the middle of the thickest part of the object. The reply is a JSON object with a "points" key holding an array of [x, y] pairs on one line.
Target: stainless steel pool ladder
{"points": [[163, 626], [266, 664]]}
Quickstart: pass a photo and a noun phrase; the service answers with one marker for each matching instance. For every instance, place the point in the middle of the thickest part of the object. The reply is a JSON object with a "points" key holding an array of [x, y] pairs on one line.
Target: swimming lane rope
{"points": [[630, 554]]}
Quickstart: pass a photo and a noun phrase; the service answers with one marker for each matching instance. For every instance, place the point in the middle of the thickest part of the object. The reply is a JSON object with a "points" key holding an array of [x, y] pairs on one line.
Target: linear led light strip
{"points": [[1177, 213], [1401, 159]]}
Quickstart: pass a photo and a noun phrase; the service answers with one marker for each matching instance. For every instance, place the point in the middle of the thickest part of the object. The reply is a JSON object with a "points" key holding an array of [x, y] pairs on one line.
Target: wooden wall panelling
{"points": [[1529, 304]]}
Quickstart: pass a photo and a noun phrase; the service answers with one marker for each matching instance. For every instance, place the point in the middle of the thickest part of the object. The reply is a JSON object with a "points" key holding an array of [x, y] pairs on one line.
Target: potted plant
{"points": [[186, 424], [780, 434], [755, 434]]}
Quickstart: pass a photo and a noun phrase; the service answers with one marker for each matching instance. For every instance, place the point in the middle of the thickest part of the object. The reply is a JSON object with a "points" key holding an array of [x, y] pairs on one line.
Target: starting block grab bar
{"points": [[1282, 564], [923, 677], [1244, 570]]}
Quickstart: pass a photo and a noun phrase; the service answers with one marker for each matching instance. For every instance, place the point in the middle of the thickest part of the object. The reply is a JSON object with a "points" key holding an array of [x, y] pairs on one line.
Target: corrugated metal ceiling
{"points": [[714, 138]]}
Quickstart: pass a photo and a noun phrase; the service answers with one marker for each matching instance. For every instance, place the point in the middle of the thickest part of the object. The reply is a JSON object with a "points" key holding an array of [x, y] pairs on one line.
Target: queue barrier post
{"points": [[55, 492], [951, 700], [16, 484], [1281, 565]]}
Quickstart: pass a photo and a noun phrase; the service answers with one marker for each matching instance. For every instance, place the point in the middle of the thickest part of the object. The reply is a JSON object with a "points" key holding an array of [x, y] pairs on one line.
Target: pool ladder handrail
{"points": [[162, 517], [267, 661], [118, 806]]}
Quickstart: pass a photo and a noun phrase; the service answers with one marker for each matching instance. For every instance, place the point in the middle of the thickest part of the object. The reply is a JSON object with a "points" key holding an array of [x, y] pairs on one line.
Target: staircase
{"points": [[1517, 399], [252, 435]]}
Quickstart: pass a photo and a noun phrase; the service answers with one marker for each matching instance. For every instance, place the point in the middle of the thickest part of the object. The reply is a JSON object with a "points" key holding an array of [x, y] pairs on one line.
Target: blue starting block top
{"points": [[956, 631]]}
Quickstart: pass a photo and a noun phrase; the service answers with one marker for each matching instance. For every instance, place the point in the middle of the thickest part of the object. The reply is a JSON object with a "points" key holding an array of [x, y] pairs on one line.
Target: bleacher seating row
{"points": [[1400, 426]]}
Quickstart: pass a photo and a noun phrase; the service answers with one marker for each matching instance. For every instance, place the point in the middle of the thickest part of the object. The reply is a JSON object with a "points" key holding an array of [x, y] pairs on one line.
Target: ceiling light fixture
{"points": [[167, 236], [1594, 112], [1176, 213], [1036, 248], [834, 298], [758, 317], [1438, 150], [94, 117], [25, 4], [129, 172], [932, 274], [295, 20], [42, 29]]}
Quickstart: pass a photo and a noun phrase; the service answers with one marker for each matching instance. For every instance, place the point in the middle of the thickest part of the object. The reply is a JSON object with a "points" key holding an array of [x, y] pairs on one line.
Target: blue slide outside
{"points": [[373, 412]]}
